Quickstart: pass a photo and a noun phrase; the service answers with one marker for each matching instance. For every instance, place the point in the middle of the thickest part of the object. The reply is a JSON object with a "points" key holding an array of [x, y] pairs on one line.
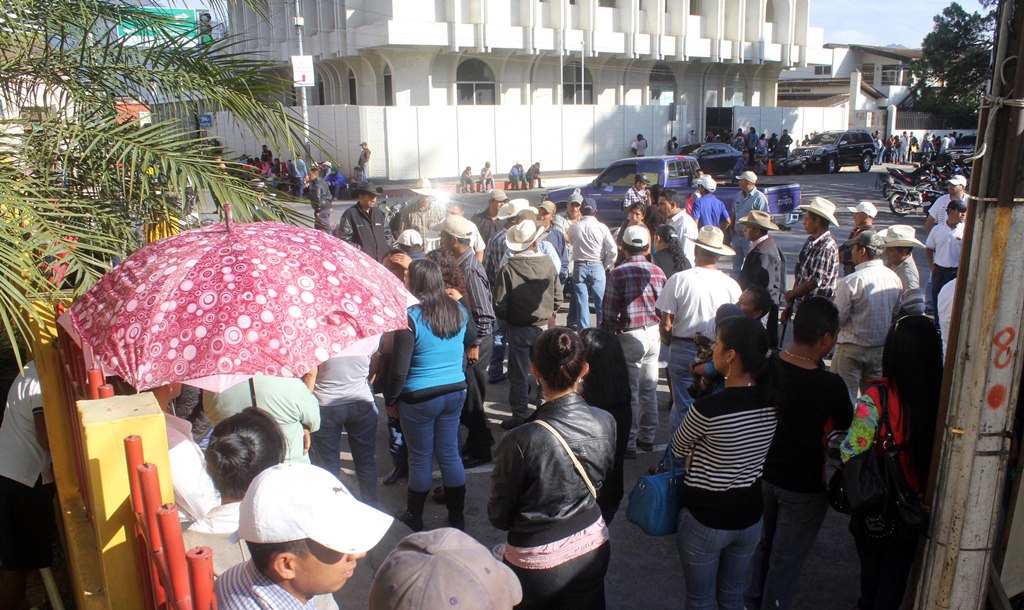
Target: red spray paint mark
{"points": [[996, 396]]}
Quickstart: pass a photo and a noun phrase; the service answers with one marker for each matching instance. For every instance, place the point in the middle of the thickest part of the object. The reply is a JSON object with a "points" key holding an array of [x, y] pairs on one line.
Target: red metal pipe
{"points": [[200, 574], [95, 381], [106, 390], [174, 551], [149, 482], [134, 457]]}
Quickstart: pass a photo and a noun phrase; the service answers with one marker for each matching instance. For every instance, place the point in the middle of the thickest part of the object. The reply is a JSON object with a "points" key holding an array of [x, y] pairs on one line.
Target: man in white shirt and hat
{"points": [[956, 188], [900, 242], [944, 245]]}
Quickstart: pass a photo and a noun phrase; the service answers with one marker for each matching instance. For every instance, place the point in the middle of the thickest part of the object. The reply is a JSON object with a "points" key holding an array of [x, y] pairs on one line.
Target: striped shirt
{"points": [[243, 587], [729, 435], [479, 295]]}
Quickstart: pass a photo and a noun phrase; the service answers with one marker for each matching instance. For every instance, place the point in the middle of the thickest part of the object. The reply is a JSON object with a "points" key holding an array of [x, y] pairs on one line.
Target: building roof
{"points": [[897, 53], [812, 83], [812, 100]]}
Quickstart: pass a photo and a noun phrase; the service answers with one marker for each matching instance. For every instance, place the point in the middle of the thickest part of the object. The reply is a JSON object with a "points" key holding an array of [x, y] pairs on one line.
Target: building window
{"points": [[573, 91], [663, 86], [606, 3], [890, 74], [474, 84], [867, 74], [905, 81], [389, 87], [823, 70], [769, 12], [695, 7], [352, 88]]}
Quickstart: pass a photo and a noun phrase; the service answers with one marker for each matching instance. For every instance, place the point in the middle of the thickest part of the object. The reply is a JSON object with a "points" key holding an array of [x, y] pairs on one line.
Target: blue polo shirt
{"points": [[709, 210]]}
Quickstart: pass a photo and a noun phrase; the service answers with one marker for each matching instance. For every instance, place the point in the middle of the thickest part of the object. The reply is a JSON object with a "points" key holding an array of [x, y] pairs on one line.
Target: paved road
{"points": [[645, 571]]}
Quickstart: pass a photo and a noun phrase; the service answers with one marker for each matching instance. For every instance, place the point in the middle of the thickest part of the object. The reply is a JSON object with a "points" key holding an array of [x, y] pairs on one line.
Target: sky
{"points": [[880, 22]]}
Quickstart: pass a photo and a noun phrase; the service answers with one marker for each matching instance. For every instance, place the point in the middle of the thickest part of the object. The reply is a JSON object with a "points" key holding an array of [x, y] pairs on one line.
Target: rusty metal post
{"points": [[983, 370], [174, 550], [200, 576]]}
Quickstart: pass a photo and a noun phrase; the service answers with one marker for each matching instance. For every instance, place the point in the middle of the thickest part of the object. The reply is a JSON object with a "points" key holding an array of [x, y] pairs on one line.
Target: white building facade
{"points": [[596, 72]]}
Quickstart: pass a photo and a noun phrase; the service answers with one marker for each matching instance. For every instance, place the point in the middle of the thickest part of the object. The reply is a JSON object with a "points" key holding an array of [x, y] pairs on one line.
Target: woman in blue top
{"points": [[427, 389]]}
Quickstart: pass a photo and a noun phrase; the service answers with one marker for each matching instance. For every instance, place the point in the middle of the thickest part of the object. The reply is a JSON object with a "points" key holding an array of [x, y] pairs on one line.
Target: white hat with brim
{"points": [[713, 240], [761, 219], [523, 235], [423, 187], [822, 207], [297, 501], [901, 236], [454, 225], [409, 237], [864, 207], [512, 208], [749, 176]]}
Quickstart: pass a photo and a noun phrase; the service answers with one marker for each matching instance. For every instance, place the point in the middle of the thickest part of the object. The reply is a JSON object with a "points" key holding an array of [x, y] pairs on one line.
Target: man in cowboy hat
{"points": [[863, 220], [363, 225], [593, 254], [764, 265], [899, 246], [748, 200], [526, 296], [487, 220], [708, 209], [688, 304], [426, 211], [817, 266], [866, 300]]}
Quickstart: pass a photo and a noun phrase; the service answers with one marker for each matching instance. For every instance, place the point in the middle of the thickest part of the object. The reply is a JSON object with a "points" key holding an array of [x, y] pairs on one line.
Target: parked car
{"points": [[714, 158], [832, 150], [963, 148], [675, 172]]}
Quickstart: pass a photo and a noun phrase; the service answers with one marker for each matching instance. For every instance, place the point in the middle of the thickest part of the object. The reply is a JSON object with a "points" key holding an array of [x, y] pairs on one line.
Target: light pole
{"points": [[583, 74], [299, 26]]}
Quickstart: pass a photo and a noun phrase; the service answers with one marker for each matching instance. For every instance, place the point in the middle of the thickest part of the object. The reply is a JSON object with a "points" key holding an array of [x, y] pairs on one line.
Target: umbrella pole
{"points": [[252, 392]]}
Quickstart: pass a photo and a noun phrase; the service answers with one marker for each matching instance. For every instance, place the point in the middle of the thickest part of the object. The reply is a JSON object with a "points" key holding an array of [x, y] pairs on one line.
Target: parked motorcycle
{"points": [[904, 201]]}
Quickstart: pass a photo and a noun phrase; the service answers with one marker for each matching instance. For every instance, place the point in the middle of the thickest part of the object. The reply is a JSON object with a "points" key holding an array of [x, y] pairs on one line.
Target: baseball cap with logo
{"points": [[297, 501], [442, 568], [958, 180], [865, 207], [636, 236]]}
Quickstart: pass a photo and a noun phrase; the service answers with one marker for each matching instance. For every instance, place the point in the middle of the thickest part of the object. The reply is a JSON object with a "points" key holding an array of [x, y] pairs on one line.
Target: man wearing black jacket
{"points": [[764, 265], [363, 225]]}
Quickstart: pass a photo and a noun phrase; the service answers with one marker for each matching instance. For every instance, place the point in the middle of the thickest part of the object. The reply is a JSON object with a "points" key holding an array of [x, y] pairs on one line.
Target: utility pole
{"points": [[983, 368], [299, 31]]}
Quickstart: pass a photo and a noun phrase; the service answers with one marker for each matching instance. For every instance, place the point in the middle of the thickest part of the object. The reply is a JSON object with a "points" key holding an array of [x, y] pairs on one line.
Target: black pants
{"points": [[575, 584], [884, 568], [478, 439]]}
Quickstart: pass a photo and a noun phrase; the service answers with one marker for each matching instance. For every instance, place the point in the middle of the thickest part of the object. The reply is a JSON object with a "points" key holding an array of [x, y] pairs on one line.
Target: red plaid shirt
{"points": [[629, 296]]}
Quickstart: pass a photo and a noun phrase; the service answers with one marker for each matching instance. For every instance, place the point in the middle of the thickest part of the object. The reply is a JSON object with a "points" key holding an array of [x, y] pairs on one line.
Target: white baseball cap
{"points": [[636, 236], [865, 207], [298, 501], [708, 183], [958, 180], [748, 175], [409, 237]]}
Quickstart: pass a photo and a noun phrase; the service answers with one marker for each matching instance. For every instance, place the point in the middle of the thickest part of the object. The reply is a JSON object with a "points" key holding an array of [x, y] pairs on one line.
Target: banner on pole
{"points": [[302, 71]]}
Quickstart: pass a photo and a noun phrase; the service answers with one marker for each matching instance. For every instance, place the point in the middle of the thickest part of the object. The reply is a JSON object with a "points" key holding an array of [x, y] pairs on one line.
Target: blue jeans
{"points": [[495, 368], [680, 357], [569, 288], [359, 419], [588, 278], [431, 430], [520, 340], [364, 170], [791, 522], [716, 563]]}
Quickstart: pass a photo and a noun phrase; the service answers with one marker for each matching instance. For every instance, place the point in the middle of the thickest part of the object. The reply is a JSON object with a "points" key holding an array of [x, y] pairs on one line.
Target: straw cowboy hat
{"points": [[822, 207], [713, 240], [900, 236], [523, 235], [758, 218], [423, 187], [512, 208]]}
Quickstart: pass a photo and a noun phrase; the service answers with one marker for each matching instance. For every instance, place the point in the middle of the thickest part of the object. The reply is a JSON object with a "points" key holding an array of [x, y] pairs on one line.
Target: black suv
{"points": [[831, 150]]}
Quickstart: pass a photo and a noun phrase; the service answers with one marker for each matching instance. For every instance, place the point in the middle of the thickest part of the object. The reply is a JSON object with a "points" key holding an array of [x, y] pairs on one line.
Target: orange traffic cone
{"points": [[771, 170]]}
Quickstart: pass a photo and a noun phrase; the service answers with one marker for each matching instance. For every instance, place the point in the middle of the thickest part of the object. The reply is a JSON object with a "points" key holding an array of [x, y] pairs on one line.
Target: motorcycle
{"points": [[904, 201]]}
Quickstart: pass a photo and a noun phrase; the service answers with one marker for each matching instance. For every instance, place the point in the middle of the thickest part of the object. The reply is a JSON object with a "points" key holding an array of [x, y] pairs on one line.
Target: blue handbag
{"points": [[655, 500]]}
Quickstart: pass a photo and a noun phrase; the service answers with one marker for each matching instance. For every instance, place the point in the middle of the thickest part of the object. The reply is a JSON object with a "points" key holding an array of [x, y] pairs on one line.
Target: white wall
{"points": [[799, 121], [409, 142]]}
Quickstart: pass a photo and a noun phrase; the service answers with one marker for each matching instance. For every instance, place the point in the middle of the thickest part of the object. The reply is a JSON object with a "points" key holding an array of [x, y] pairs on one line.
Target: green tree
{"points": [[954, 66], [78, 180]]}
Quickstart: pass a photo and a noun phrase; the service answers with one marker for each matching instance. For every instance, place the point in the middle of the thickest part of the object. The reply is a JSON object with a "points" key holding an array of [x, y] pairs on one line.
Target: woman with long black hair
{"points": [[724, 439], [427, 389], [911, 364]]}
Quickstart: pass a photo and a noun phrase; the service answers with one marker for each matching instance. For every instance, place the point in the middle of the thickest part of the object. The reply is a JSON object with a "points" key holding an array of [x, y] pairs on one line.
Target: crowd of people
{"points": [[261, 484]]}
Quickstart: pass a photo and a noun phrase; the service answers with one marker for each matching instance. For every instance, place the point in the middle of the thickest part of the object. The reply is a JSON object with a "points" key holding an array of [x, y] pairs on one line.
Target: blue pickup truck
{"points": [[676, 172]]}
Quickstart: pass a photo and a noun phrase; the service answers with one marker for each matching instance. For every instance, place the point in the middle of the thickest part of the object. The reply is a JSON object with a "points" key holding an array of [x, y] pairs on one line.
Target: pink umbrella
{"points": [[216, 305]]}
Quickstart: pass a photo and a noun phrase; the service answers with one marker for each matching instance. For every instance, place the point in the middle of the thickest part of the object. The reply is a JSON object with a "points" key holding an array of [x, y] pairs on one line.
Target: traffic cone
{"points": [[771, 169]]}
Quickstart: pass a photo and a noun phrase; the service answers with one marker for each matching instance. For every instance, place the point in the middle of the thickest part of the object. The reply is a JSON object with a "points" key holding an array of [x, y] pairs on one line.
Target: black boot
{"points": [[413, 515], [455, 498], [397, 474]]}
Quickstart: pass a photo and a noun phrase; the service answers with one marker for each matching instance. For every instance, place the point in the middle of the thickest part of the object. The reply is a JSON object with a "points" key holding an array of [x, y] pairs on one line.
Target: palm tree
{"points": [[78, 179]]}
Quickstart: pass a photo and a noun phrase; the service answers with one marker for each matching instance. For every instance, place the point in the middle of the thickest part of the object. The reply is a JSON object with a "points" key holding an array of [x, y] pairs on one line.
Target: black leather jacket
{"points": [[536, 492]]}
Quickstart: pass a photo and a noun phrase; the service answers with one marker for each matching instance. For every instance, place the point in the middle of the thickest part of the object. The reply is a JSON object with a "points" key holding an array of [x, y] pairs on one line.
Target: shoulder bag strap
{"points": [[883, 416], [572, 456]]}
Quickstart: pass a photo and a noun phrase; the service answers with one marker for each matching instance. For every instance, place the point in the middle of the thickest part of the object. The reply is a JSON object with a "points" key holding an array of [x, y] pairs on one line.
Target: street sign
{"points": [[206, 120], [302, 71], [180, 23]]}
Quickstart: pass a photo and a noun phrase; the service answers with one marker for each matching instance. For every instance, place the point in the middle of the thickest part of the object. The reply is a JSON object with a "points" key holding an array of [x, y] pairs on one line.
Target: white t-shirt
{"points": [[22, 458], [693, 298], [944, 305], [946, 243], [686, 229], [938, 209], [343, 379], [194, 491]]}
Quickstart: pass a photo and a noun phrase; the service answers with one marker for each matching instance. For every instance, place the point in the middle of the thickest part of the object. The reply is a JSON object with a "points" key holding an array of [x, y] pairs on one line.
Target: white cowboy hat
{"points": [[523, 235], [900, 236], [822, 207], [713, 240], [512, 208], [759, 218], [424, 188]]}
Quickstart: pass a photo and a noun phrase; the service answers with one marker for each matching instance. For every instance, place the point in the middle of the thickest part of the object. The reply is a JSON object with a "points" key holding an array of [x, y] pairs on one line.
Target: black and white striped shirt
{"points": [[729, 435]]}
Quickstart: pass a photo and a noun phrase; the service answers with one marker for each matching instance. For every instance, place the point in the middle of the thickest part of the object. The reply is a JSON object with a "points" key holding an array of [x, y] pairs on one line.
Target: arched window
{"points": [[662, 85], [769, 12], [352, 99], [574, 91], [474, 83], [389, 87]]}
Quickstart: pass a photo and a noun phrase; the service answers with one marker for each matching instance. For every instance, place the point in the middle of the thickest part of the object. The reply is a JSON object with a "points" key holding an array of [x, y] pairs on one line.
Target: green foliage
{"points": [[78, 183], [954, 70]]}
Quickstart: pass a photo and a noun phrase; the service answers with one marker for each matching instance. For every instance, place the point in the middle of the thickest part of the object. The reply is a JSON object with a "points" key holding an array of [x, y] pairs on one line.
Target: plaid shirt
{"points": [[243, 587], [629, 296], [818, 264], [634, 196]]}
